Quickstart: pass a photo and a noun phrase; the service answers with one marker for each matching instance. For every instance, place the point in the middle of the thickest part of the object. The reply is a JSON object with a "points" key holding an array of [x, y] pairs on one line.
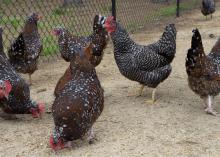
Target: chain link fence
{"points": [[77, 16]]}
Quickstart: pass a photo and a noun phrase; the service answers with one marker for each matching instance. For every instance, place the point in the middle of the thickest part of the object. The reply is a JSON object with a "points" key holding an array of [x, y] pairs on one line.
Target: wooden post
{"points": [[114, 9], [177, 8]]}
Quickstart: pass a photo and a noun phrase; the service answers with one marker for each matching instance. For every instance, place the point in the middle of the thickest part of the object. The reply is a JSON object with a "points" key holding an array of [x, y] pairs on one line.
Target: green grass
{"points": [[168, 11], [50, 46], [58, 11], [171, 10], [6, 2], [65, 16], [151, 17], [15, 22]]}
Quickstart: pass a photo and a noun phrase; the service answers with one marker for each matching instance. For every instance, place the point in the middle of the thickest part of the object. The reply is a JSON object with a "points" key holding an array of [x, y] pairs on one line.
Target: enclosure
{"points": [[175, 125]]}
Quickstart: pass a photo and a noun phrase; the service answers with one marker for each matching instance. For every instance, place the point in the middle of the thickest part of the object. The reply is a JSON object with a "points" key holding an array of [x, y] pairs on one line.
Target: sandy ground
{"points": [[175, 125]]}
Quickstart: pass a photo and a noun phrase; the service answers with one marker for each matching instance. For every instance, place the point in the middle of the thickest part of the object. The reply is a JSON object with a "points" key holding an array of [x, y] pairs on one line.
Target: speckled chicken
{"points": [[14, 91], [26, 48], [208, 7], [148, 65], [98, 38], [204, 71], [79, 104]]}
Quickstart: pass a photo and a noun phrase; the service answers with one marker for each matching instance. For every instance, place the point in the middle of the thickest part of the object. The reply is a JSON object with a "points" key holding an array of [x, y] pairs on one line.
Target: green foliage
{"points": [[58, 11], [15, 22], [168, 11], [50, 46], [171, 10], [6, 2]]}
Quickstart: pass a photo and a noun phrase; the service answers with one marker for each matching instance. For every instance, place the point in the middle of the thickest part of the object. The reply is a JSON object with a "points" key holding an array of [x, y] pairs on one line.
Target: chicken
{"points": [[79, 104], [14, 91], [99, 39], [25, 50], [204, 71], [208, 7], [148, 65]]}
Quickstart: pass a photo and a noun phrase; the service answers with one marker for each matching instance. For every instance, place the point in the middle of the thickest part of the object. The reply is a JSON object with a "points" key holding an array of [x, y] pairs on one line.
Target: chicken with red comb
{"points": [[148, 65], [14, 91], [79, 104]]}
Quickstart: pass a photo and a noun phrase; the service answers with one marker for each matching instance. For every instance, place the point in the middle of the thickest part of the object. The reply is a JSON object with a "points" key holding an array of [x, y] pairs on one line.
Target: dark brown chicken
{"points": [[14, 91], [79, 104], [25, 50], [208, 7], [204, 71], [98, 38]]}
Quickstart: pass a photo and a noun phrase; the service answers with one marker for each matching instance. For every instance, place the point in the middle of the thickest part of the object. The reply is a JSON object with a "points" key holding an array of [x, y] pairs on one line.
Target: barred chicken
{"points": [[208, 7], [25, 50], [204, 71], [66, 40], [148, 65], [79, 104], [14, 91]]}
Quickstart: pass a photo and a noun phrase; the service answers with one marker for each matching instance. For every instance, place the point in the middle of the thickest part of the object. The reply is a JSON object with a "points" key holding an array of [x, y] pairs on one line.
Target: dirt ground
{"points": [[175, 125]]}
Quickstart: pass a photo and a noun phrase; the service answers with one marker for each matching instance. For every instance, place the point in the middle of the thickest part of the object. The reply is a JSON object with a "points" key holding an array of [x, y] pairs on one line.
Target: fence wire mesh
{"points": [[77, 16]]}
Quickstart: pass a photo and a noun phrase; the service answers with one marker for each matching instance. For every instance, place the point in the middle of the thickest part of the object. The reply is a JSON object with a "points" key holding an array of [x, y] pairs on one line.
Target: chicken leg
{"points": [[141, 90], [91, 136], [152, 100], [209, 109], [30, 81], [138, 93]]}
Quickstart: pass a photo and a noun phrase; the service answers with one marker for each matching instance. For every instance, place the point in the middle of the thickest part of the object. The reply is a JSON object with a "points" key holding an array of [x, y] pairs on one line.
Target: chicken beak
{"points": [[53, 33], [6, 97], [39, 17]]}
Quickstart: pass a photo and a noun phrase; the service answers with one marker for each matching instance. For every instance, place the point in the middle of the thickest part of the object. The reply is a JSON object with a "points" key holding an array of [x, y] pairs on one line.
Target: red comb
{"points": [[57, 146], [8, 86], [41, 108], [110, 18]]}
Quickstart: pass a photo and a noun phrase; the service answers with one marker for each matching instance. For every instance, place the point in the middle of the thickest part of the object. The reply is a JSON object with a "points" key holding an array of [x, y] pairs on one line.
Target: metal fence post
{"points": [[177, 8], [114, 8]]}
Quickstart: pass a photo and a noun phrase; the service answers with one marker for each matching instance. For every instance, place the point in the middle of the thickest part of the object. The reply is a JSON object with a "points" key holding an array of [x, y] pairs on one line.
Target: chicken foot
{"points": [[140, 91], [91, 136], [30, 81], [209, 109], [152, 100]]}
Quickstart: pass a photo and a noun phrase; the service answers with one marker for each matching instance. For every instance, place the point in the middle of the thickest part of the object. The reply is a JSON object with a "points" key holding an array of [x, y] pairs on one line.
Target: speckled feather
{"points": [[19, 98], [148, 65], [203, 70], [26, 48], [79, 104], [99, 39]]}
